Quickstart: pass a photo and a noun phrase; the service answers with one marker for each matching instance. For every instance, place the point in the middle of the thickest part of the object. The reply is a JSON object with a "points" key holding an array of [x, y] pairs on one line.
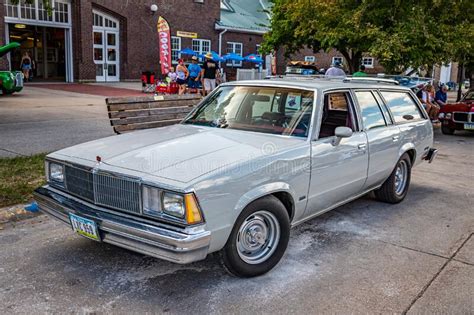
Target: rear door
{"points": [[382, 135]]}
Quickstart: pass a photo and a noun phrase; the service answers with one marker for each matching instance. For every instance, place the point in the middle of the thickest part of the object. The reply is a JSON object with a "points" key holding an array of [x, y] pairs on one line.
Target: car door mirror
{"points": [[342, 132]]}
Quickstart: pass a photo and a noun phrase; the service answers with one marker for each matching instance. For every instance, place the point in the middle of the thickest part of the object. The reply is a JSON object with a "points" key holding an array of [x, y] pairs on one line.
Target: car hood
{"points": [[179, 152]]}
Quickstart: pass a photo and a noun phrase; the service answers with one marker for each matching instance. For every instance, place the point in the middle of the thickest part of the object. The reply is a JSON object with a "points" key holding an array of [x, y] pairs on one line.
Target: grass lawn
{"points": [[19, 176]]}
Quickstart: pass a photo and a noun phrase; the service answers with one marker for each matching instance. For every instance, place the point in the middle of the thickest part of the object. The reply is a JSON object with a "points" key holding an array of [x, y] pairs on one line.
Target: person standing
{"points": [[182, 75], [194, 73], [209, 73], [441, 97], [335, 70], [361, 72], [25, 65]]}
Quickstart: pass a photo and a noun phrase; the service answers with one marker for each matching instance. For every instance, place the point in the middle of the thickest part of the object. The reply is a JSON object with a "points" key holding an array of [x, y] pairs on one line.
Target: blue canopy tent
{"points": [[188, 51], [215, 57], [253, 58], [232, 57]]}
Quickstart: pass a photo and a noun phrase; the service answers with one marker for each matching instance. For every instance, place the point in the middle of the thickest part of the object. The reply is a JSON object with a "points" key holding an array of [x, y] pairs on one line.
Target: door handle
{"points": [[395, 138], [362, 146]]}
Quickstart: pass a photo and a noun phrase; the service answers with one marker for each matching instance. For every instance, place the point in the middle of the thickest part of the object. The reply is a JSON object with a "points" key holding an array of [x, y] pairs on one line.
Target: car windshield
{"points": [[274, 110]]}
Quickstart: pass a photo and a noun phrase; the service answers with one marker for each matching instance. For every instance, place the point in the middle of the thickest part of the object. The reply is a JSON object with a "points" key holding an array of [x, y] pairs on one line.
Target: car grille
{"points": [[463, 117], [104, 189], [80, 182], [117, 192]]}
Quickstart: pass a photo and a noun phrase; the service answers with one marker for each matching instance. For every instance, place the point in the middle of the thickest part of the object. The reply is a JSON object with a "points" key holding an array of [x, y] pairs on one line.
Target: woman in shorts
{"points": [[26, 65], [182, 76]]}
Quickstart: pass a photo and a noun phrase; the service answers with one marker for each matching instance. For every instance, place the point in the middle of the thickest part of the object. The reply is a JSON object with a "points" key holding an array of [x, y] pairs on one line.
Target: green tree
{"points": [[399, 33]]}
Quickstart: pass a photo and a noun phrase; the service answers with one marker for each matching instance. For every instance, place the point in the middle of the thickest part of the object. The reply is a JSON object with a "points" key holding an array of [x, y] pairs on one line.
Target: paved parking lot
{"points": [[364, 257], [41, 120]]}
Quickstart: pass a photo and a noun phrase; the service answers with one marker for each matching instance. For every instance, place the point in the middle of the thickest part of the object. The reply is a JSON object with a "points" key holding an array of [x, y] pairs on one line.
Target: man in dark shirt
{"points": [[441, 96], [208, 74]]}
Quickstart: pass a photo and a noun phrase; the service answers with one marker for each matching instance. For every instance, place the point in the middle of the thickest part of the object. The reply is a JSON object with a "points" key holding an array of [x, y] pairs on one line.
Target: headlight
{"points": [[448, 115], [151, 200], [184, 207], [56, 172], [441, 116], [173, 204]]}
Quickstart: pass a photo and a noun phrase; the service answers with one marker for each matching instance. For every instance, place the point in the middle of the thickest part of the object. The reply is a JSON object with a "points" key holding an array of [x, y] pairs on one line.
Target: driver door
{"points": [[338, 170]]}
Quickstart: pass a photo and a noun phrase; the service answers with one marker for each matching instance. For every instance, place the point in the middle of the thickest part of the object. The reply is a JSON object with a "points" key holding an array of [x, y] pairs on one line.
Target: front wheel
{"points": [[447, 131], [396, 186], [258, 239]]}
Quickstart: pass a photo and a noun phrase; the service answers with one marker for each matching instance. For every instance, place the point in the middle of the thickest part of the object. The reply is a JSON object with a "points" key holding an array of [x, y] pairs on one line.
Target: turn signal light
{"points": [[193, 213]]}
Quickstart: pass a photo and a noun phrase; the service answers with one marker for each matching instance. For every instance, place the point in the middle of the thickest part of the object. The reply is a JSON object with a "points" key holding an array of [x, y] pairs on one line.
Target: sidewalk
{"points": [[102, 89]]}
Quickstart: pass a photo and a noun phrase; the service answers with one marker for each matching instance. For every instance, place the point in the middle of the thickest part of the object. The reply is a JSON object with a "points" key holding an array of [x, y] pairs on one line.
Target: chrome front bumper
{"points": [[154, 239]]}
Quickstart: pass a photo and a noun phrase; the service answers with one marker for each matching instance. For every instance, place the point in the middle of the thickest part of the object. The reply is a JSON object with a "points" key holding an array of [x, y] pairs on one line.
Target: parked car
{"points": [[10, 81], [301, 68], [252, 160], [458, 116]]}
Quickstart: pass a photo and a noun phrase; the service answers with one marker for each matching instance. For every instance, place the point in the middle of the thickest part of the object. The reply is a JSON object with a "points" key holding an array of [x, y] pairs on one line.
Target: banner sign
{"points": [[186, 34], [164, 38]]}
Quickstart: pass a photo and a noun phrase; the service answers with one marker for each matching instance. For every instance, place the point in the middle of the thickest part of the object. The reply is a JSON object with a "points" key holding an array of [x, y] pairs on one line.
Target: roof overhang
{"points": [[239, 30]]}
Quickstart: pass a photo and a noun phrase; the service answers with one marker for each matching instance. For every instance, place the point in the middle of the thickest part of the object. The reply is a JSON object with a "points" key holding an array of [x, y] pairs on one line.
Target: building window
{"points": [[201, 46], [36, 11], [175, 48], [236, 48], [340, 60], [43, 13], [100, 20], [309, 58], [368, 62], [27, 11], [61, 12]]}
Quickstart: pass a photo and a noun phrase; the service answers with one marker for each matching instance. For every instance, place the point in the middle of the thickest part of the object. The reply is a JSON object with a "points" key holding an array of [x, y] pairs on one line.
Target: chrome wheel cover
{"points": [[401, 176], [258, 237]]}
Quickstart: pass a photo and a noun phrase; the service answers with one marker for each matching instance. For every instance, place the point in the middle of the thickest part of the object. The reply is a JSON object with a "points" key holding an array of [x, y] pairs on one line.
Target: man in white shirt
{"points": [[335, 70]]}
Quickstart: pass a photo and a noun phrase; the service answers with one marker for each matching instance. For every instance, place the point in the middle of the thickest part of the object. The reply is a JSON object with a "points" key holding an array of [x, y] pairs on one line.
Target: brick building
{"points": [[110, 40]]}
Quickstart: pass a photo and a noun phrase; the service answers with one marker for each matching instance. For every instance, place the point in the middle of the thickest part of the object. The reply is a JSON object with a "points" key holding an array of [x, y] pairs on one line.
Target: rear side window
{"points": [[402, 106], [372, 116]]}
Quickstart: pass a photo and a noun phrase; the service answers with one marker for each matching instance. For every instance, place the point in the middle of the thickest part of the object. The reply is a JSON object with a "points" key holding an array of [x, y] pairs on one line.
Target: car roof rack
{"points": [[344, 79]]}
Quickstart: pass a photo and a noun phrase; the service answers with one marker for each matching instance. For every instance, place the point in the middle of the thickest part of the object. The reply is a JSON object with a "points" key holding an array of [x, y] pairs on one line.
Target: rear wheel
{"points": [[258, 239], [396, 186], [447, 131]]}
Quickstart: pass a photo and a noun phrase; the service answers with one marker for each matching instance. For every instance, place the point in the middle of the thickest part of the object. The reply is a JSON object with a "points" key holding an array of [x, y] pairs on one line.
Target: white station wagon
{"points": [[252, 160]]}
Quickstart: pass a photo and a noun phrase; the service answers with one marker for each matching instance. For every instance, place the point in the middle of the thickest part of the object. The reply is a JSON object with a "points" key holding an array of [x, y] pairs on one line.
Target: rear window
{"points": [[402, 106]]}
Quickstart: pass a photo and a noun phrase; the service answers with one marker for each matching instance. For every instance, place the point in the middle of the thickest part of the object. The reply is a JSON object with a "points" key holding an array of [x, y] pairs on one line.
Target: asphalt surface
{"points": [[43, 120], [364, 257]]}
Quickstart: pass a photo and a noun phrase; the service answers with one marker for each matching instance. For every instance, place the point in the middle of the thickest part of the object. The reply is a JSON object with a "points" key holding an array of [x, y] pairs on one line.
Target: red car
{"points": [[458, 116]]}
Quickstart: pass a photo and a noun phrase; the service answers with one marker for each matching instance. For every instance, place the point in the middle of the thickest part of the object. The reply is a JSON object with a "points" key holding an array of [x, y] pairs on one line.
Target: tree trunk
{"points": [[460, 80], [352, 59]]}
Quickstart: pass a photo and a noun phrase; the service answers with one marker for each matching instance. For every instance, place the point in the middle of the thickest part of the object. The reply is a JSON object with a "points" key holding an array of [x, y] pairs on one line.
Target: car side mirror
{"points": [[342, 132]]}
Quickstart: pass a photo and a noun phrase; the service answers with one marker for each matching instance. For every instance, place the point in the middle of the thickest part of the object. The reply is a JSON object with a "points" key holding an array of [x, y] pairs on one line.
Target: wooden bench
{"points": [[134, 113]]}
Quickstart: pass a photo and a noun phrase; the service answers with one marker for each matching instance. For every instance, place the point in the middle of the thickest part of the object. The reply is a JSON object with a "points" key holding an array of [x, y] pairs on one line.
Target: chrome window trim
{"points": [[266, 85], [415, 100], [377, 100], [355, 109]]}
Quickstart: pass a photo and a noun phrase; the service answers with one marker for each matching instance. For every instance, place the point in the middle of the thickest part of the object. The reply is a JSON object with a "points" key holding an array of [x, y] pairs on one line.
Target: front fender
{"points": [[261, 191]]}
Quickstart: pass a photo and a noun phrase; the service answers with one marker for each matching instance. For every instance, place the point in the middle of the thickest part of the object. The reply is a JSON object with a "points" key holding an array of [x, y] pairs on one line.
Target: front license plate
{"points": [[84, 227], [468, 126]]}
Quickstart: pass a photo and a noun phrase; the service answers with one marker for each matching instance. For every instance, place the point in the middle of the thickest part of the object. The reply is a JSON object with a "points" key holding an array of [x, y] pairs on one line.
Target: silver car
{"points": [[252, 160]]}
